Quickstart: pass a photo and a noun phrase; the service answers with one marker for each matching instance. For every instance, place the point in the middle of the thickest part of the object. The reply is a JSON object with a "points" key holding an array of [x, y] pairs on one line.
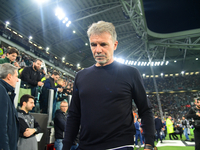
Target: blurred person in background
{"points": [[11, 56], [9, 126], [194, 113]]}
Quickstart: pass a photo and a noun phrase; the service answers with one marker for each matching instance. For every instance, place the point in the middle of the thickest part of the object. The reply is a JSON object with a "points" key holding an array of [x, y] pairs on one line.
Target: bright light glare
{"points": [[7, 22], [30, 37], [41, 1], [78, 65], [60, 13], [47, 48]]}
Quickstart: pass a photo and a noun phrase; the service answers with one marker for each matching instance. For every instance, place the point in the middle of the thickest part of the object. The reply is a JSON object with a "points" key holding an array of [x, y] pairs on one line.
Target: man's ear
{"points": [[9, 76]]}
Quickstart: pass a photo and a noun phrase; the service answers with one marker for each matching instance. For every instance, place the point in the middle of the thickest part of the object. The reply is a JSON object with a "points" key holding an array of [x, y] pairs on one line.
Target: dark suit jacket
{"points": [[158, 123], [9, 126]]}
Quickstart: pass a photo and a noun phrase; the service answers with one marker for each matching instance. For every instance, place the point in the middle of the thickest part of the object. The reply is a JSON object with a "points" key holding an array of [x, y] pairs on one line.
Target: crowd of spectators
{"points": [[176, 105], [187, 82], [39, 52]]}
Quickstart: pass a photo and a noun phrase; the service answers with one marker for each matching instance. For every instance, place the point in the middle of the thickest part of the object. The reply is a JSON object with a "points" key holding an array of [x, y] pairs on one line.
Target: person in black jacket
{"points": [[59, 124], [31, 77], [159, 126], [9, 123], [28, 125], [194, 113]]}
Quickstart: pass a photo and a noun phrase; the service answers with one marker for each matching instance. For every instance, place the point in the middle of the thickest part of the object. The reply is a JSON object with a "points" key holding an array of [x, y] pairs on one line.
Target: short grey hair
{"points": [[101, 27], [6, 69]]}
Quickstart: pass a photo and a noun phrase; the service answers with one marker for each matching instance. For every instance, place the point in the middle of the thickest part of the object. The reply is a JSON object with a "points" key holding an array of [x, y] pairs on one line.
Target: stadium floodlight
{"points": [[78, 65], [148, 63], [175, 61], [158, 63], [182, 72], [162, 63], [143, 75], [142, 63], [126, 62], [155, 63], [135, 63], [145, 63], [41, 1], [121, 60], [68, 23], [139, 63], [152, 63], [167, 62], [132, 62], [30, 37], [63, 58], [65, 20], [74, 31], [59, 13], [47, 48], [197, 58], [161, 74], [7, 23]]}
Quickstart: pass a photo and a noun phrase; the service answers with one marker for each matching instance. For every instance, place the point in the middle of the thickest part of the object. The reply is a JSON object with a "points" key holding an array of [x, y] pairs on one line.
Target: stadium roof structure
{"points": [[148, 30]]}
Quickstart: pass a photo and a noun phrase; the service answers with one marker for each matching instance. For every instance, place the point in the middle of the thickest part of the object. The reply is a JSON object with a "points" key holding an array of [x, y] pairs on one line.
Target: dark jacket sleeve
{"points": [[22, 127], [4, 140], [144, 108], [191, 114], [59, 121], [47, 85], [37, 126], [26, 77], [73, 119]]}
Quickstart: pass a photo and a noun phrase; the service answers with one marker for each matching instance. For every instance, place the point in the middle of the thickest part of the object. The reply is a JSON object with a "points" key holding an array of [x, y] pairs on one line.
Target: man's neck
{"points": [[34, 68], [22, 108]]}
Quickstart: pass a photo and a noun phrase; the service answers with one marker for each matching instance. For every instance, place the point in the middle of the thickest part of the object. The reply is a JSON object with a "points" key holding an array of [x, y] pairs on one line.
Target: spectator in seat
{"points": [[28, 125]]}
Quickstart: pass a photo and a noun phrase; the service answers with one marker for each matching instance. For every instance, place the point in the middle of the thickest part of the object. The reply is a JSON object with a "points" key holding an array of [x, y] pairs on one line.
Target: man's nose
{"points": [[98, 49]]}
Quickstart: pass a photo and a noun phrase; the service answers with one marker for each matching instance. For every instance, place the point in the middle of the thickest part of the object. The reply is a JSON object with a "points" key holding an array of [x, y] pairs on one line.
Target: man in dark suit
{"points": [[159, 126], [9, 126]]}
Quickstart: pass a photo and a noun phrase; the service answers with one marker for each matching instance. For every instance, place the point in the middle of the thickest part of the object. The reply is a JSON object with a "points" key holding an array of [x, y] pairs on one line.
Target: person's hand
{"points": [[29, 132], [198, 114], [66, 94], [60, 89], [16, 64], [40, 83]]}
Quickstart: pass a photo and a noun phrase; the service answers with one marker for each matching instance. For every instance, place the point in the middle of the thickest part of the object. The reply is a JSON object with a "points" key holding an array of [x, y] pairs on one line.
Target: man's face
{"points": [[139, 120], [64, 107], [13, 79], [103, 47], [30, 104], [37, 65], [183, 118], [12, 56], [170, 117], [55, 77], [197, 103]]}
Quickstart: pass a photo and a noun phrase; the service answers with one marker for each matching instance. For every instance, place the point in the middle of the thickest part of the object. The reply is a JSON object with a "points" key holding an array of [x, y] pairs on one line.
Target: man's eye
{"points": [[92, 44], [103, 44]]}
